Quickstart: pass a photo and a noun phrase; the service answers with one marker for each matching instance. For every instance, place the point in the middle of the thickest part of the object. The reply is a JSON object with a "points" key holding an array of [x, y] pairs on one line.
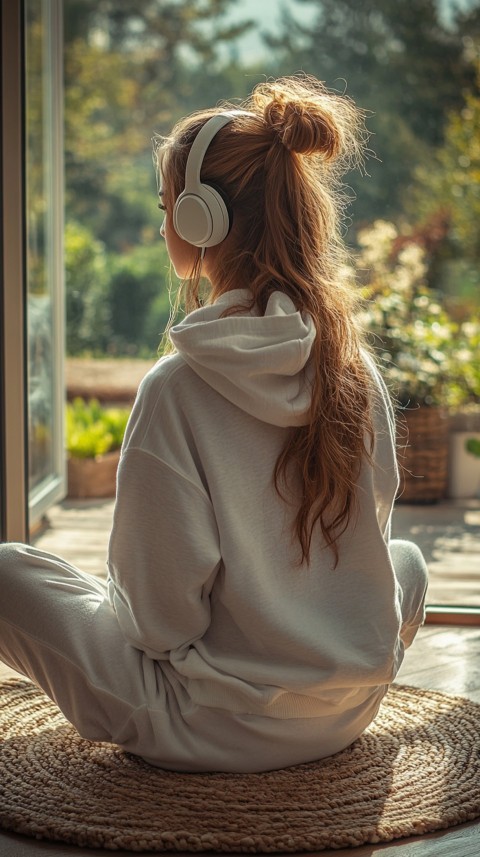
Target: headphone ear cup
{"points": [[224, 198], [201, 218]]}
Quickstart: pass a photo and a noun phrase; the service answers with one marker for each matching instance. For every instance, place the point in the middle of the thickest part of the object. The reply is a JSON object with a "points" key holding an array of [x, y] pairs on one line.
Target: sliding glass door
{"points": [[32, 472], [44, 252], [13, 412]]}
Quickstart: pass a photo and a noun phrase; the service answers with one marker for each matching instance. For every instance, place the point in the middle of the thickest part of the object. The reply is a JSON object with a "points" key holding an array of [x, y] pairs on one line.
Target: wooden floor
{"points": [[445, 658]]}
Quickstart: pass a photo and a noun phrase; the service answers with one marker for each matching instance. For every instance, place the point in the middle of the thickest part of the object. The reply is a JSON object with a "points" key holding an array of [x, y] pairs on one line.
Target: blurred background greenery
{"points": [[131, 69]]}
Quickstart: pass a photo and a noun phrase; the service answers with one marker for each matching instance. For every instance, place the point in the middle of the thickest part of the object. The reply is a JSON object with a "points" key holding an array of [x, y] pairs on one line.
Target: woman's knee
{"points": [[412, 574], [409, 562], [14, 578], [12, 558]]}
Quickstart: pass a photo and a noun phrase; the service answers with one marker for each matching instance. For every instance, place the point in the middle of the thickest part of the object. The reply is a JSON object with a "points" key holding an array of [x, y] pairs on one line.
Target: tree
{"points": [[131, 69], [452, 183], [450, 190], [400, 60], [127, 76]]}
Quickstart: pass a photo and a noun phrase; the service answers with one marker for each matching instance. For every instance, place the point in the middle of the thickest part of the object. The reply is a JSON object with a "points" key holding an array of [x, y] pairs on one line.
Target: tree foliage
{"points": [[86, 282], [131, 69], [401, 60], [452, 182]]}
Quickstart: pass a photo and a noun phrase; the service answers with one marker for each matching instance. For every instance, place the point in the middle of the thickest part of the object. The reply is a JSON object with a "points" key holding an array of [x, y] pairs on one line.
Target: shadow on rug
{"points": [[416, 770]]}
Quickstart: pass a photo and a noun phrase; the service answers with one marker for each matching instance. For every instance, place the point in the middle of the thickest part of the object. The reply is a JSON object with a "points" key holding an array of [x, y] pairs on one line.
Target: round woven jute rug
{"points": [[416, 770]]}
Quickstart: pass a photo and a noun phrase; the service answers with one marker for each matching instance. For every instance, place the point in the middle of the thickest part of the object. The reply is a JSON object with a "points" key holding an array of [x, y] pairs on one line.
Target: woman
{"points": [[256, 610]]}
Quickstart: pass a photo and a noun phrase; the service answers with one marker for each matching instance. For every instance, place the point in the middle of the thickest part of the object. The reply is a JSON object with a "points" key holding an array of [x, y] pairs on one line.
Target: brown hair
{"points": [[281, 170]]}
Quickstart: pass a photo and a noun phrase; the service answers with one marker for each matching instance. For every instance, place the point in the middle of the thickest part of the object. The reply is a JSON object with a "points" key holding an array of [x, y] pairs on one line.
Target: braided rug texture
{"points": [[416, 770]]}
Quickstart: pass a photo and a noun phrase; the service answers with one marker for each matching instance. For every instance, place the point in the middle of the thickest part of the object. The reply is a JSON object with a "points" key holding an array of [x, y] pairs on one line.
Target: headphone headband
{"points": [[200, 215], [201, 143]]}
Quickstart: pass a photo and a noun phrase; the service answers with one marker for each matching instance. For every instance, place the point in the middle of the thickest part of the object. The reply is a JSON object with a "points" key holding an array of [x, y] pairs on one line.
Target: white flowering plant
{"points": [[427, 357]]}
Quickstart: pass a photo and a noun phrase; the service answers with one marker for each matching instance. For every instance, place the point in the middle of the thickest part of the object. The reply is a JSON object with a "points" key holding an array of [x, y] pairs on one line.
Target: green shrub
{"points": [[116, 304], [473, 446], [92, 430], [86, 280], [138, 300]]}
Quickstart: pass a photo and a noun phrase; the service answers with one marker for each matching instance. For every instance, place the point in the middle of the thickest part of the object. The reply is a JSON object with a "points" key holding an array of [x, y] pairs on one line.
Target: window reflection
{"points": [[43, 265]]}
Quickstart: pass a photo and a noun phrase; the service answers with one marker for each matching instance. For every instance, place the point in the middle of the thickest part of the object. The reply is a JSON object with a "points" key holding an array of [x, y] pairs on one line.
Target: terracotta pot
{"points": [[93, 477], [423, 454]]}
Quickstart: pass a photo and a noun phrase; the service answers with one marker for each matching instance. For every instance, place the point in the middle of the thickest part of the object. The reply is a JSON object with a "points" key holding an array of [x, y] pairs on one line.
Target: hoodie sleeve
{"points": [[163, 555], [386, 471]]}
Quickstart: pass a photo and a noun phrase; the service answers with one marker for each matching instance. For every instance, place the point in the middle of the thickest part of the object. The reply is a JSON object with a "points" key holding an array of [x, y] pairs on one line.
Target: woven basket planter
{"points": [[93, 477], [423, 454]]}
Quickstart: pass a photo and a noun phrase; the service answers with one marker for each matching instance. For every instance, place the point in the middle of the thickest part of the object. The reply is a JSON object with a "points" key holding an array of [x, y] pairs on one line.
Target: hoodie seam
{"points": [[162, 461], [169, 374]]}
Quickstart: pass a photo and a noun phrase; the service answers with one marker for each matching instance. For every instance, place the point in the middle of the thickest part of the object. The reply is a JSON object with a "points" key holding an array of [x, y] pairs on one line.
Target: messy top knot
{"points": [[308, 118], [302, 130]]}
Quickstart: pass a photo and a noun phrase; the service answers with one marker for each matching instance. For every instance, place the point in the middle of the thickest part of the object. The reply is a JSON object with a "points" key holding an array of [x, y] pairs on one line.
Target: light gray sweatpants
{"points": [[58, 628]]}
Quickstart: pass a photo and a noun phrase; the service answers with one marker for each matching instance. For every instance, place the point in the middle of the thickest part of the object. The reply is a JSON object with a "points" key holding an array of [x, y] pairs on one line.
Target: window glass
{"points": [[44, 261]]}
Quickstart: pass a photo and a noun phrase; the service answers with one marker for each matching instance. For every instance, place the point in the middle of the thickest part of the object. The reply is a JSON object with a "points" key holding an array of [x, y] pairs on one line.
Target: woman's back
{"points": [[263, 634]]}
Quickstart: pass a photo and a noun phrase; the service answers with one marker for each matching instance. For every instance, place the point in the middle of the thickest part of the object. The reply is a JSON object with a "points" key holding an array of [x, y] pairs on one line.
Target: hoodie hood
{"points": [[257, 362]]}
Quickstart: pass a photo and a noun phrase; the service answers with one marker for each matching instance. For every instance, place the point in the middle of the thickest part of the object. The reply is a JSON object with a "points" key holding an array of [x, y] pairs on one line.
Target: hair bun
{"points": [[303, 129], [307, 118]]}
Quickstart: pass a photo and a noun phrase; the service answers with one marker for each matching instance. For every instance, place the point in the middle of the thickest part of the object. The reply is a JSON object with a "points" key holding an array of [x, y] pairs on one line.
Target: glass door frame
{"points": [[47, 88], [18, 505], [445, 614], [13, 382]]}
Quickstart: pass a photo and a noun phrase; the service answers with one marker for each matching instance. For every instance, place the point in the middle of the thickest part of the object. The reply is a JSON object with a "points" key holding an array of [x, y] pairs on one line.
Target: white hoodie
{"points": [[203, 565]]}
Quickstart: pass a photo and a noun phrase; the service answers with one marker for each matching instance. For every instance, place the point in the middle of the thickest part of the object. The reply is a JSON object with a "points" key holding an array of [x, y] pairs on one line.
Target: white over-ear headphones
{"points": [[200, 214]]}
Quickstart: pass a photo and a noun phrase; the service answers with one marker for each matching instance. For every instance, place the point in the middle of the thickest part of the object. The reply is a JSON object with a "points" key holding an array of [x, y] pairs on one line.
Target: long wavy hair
{"points": [[281, 170]]}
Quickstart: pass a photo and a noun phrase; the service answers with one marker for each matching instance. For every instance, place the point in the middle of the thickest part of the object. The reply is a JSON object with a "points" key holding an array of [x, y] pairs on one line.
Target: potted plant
{"points": [[413, 337], [94, 435], [464, 461]]}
